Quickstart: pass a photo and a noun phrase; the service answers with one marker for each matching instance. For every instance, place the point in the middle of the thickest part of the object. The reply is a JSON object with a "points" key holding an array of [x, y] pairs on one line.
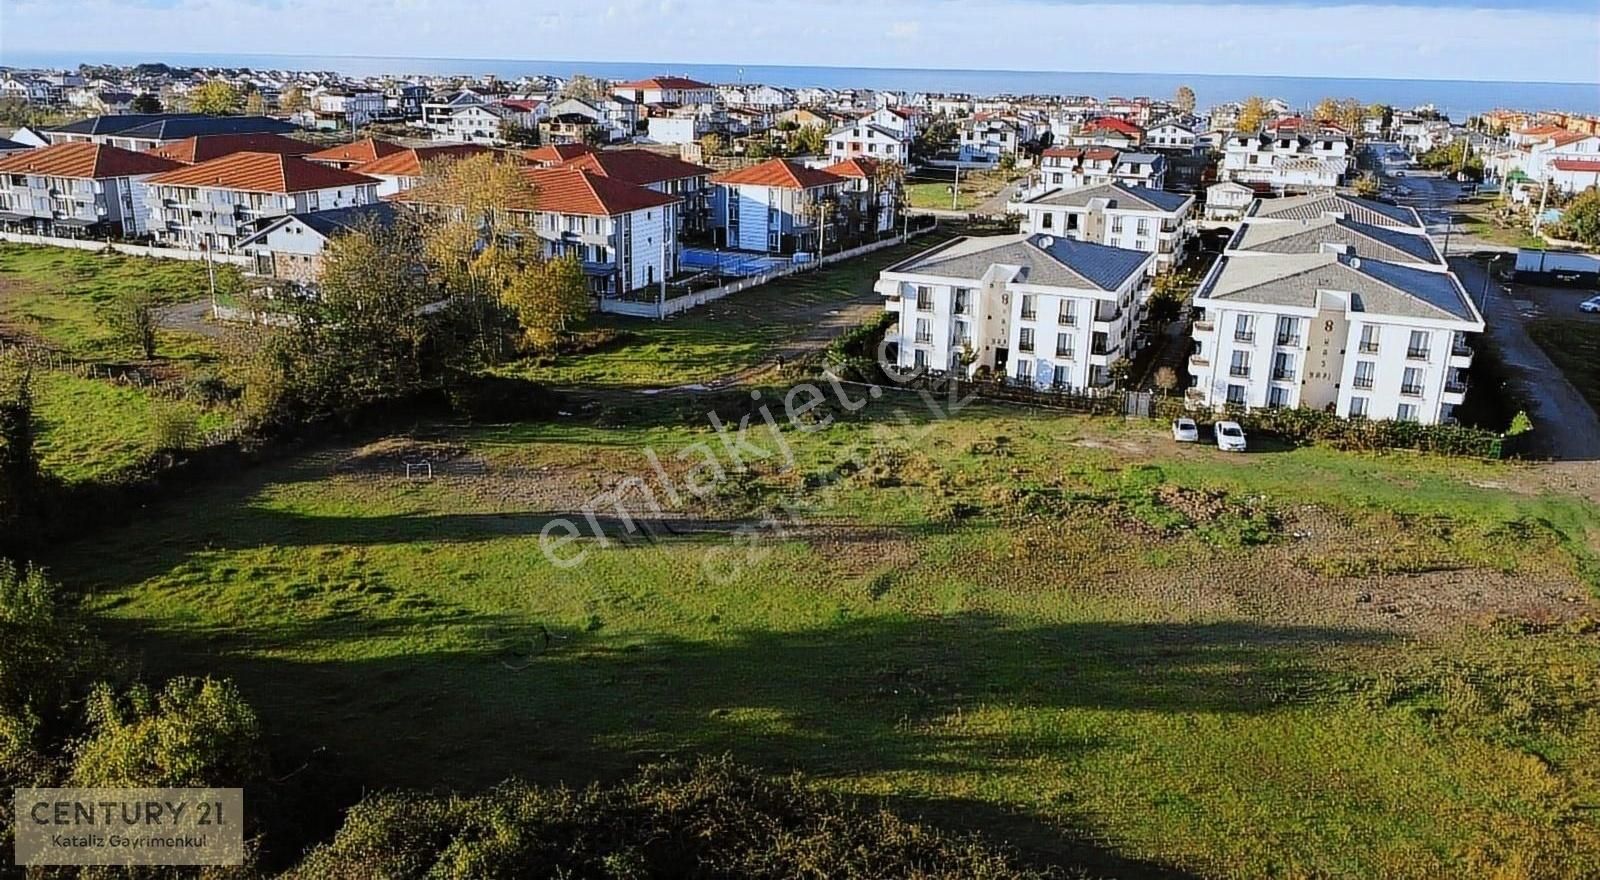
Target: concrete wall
{"points": [[89, 244]]}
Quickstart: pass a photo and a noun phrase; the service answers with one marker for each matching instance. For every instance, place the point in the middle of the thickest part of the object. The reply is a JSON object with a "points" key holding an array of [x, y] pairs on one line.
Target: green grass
{"points": [[1575, 348], [723, 337], [975, 189], [1476, 222], [63, 298], [1005, 621], [94, 429]]}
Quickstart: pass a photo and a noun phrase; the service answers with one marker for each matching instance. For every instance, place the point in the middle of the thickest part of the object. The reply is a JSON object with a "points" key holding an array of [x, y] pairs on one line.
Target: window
{"points": [[1144, 227], [1025, 370], [1064, 346], [924, 330], [919, 357], [1277, 398], [1244, 328], [924, 299], [1116, 224], [1061, 378], [1047, 220], [1417, 348], [1411, 384], [963, 303], [1369, 339], [1236, 395], [1363, 378], [1283, 367], [1240, 365], [1028, 311], [963, 333], [1407, 412], [1288, 330], [1025, 339], [1358, 407], [1067, 313]]}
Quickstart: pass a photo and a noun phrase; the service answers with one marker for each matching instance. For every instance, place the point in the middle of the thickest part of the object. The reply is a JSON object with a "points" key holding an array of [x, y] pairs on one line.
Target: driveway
{"points": [[1565, 426]]}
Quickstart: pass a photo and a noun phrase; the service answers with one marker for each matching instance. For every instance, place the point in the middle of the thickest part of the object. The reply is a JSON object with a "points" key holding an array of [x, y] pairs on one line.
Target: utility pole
{"points": [[955, 191], [1538, 217]]}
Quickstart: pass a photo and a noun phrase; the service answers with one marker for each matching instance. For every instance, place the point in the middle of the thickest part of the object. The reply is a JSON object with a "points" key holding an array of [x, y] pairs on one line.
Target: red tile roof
{"points": [[638, 167], [1091, 153], [663, 82], [1115, 124], [408, 163], [261, 172], [568, 190], [1562, 138], [779, 173], [205, 147], [555, 154], [859, 167], [358, 153], [87, 160], [1577, 164]]}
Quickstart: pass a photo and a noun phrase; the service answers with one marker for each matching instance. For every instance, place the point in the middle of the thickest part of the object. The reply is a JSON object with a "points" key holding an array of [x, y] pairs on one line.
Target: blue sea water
{"points": [[1458, 98]]}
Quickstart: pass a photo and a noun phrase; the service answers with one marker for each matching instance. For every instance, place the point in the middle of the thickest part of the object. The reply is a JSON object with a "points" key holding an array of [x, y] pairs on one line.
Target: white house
{"points": [[1316, 205], [218, 203], [666, 90], [1329, 330], [1115, 214], [76, 190], [866, 140], [1039, 309], [291, 247], [877, 198], [1286, 160], [467, 117], [774, 207], [1340, 234], [1107, 131], [338, 108], [987, 139], [1228, 200], [1141, 169], [1172, 134], [1074, 167]]}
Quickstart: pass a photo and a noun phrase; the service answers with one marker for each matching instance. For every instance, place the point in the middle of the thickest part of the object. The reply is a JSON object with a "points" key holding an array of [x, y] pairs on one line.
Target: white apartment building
{"points": [[1039, 309], [1173, 135], [74, 190], [676, 90], [1115, 214], [1228, 200], [1332, 330], [987, 140], [217, 204], [866, 140], [1072, 168], [1141, 169], [349, 109], [1287, 160], [1315, 206]]}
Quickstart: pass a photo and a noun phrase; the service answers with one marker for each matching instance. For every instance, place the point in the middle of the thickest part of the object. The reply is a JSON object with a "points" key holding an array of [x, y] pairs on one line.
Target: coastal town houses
{"points": [[577, 121], [291, 248], [1141, 169], [1107, 131], [664, 174], [1115, 214], [988, 139], [1565, 158], [204, 148], [1041, 310], [1173, 135], [1335, 303], [867, 140], [775, 207], [404, 168], [216, 204], [467, 117], [144, 131], [674, 90], [1286, 160], [1228, 200], [1073, 167], [354, 154], [74, 190], [874, 196]]}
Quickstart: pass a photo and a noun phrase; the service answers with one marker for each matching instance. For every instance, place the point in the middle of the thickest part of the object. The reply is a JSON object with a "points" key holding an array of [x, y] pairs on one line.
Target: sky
{"points": [[1542, 40]]}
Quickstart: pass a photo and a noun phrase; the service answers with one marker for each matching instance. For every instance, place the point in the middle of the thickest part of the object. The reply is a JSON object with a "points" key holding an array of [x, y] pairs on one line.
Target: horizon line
{"points": [[367, 57]]}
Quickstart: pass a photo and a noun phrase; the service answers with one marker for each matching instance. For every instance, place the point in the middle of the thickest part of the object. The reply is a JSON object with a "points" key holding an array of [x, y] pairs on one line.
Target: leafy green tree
{"points": [[1184, 99], [711, 144], [19, 464], [215, 98], [1252, 114], [147, 102], [519, 135], [255, 104], [1580, 220], [191, 732], [546, 296], [135, 321], [1368, 186], [44, 654], [292, 100]]}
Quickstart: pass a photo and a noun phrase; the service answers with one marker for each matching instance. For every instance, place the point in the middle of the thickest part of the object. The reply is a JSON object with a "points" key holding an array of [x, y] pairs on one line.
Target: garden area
{"points": [[1064, 631]]}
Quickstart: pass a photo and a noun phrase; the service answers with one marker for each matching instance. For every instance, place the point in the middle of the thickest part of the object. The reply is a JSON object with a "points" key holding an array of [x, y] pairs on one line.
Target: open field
{"points": [[976, 187], [1065, 631], [1574, 345]]}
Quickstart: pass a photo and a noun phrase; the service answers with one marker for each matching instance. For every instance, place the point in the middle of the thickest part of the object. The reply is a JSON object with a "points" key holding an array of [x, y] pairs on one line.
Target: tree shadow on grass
{"points": [[880, 698]]}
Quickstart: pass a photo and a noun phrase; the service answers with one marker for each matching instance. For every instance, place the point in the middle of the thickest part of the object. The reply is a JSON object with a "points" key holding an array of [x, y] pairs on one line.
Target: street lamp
{"points": [[1488, 274]]}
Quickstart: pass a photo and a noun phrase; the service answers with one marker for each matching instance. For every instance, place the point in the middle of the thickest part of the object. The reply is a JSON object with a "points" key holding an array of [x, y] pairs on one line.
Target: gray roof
{"points": [[1310, 207], [1121, 195], [174, 126], [1049, 261], [1387, 243], [1141, 158], [1376, 287], [334, 222]]}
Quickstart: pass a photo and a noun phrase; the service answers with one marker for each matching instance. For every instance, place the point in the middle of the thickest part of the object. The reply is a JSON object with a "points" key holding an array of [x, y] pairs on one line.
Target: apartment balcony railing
{"points": [[924, 337], [1107, 319], [1417, 354], [1290, 339], [1204, 326], [1025, 347], [1360, 384], [1461, 349], [1030, 314], [1283, 375], [1455, 386], [1196, 360], [924, 306], [1368, 348], [1411, 390], [1239, 372], [1064, 354], [1067, 320], [1244, 337]]}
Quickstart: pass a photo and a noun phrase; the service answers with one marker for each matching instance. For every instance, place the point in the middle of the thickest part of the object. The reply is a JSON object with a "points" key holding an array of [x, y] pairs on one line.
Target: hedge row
{"points": [[1316, 426]]}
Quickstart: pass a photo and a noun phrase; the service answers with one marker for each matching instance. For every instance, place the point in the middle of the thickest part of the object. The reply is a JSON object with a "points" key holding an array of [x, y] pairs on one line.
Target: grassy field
{"points": [[1068, 632], [1474, 218], [1575, 348], [93, 429], [975, 189]]}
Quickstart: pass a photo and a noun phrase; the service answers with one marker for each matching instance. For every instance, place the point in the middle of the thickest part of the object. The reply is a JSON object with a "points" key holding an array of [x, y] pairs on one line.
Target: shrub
{"points": [[174, 427]]}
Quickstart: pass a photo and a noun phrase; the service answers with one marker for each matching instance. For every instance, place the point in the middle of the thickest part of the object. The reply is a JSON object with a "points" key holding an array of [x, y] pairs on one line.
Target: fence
{"points": [[1093, 401], [661, 309], [132, 250]]}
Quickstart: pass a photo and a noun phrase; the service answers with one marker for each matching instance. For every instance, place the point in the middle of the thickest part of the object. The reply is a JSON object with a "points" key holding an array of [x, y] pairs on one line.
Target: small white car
{"points": [[1230, 437], [1590, 305], [1185, 431]]}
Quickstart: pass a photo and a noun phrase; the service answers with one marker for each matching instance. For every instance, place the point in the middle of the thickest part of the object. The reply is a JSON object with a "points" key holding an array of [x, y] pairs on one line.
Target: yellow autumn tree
{"points": [[215, 97], [1252, 113]]}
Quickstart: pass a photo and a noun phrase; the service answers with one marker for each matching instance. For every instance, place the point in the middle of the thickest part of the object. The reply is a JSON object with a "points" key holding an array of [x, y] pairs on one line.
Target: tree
{"points": [[1327, 110], [254, 104], [1008, 163], [1252, 114], [215, 98], [711, 144], [546, 296], [146, 102], [519, 135], [44, 654], [19, 463], [133, 318], [1580, 221], [292, 100], [809, 140], [1166, 379], [1119, 370], [1351, 116], [586, 88], [1367, 185], [1184, 100], [190, 733]]}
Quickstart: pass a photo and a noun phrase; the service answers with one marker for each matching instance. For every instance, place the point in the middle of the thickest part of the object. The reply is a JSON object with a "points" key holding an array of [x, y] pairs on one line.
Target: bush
{"points": [[490, 398], [713, 819], [174, 427], [1314, 426]]}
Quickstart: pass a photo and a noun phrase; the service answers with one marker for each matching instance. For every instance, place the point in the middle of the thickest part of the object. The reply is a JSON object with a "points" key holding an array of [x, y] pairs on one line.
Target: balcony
{"points": [[1064, 354], [1199, 362], [1416, 354], [1283, 375], [1367, 347], [1457, 385], [1244, 337], [1030, 314], [1239, 372], [1290, 339], [1410, 390], [1360, 384], [1461, 349], [925, 337], [924, 305], [1205, 326], [1067, 320]]}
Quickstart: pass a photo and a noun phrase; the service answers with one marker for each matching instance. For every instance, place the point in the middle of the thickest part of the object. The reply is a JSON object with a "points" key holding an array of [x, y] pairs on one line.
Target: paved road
{"points": [[1566, 426]]}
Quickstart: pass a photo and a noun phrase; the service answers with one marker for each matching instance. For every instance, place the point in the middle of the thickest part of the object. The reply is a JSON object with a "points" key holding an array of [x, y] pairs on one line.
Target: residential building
{"points": [[1332, 331], [1228, 200], [1141, 169], [348, 109], [669, 175], [987, 139], [1337, 234], [404, 169], [1038, 309], [555, 154], [1287, 161], [144, 131], [354, 154], [217, 204], [877, 196], [1173, 135], [1115, 214], [75, 190], [291, 247], [675, 90], [776, 207], [468, 117], [204, 148], [868, 140], [576, 121], [1074, 167], [1108, 131], [1317, 205]]}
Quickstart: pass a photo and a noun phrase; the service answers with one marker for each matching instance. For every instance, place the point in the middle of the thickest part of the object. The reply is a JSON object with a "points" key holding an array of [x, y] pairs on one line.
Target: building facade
{"points": [[1115, 214]]}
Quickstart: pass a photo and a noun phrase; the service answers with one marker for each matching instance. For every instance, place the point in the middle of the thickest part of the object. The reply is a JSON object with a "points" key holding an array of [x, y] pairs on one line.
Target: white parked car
{"points": [[1230, 437], [1592, 305], [1185, 431]]}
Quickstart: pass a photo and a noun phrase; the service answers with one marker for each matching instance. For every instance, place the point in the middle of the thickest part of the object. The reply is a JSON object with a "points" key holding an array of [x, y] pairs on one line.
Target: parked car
{"points": [[1230, 437], [1185, 431], [1590, 305]]}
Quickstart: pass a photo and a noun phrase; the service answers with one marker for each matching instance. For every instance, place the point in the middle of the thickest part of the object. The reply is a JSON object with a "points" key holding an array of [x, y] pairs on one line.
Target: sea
{"points": [[1455, 98]]}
